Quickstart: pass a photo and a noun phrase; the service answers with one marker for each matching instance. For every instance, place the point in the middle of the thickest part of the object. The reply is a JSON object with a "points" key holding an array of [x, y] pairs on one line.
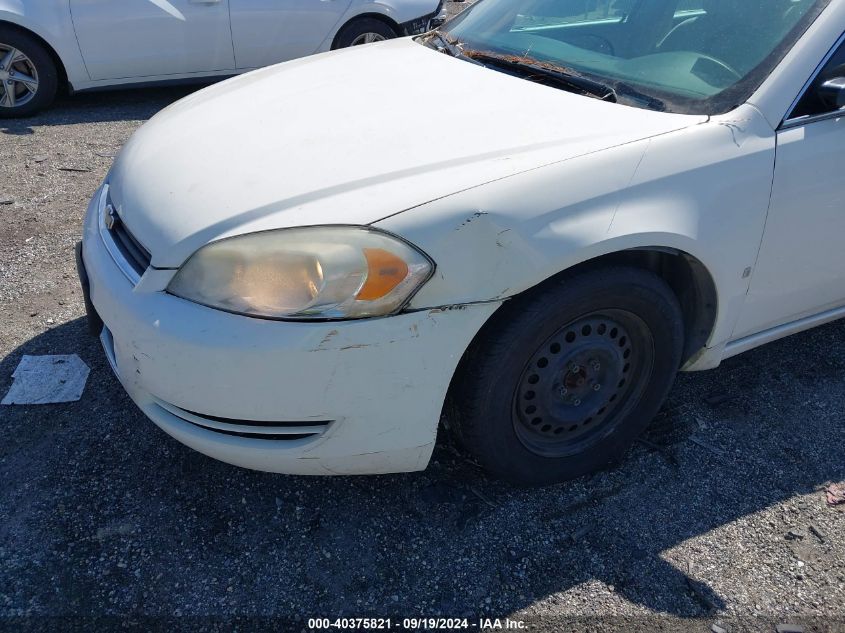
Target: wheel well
{"points": [[60, 67], [688, 278], [373, 16]]}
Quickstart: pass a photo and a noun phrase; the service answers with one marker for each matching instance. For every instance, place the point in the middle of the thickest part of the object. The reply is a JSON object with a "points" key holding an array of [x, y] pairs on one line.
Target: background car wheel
{"points": [[363, 31], [28, 75], [563, 380]]}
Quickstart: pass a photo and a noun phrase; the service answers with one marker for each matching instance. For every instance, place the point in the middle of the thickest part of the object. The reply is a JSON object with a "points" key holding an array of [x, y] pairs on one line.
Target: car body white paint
{"points": [[186, 148], [103, 43], [562, 180], [120, 40]]}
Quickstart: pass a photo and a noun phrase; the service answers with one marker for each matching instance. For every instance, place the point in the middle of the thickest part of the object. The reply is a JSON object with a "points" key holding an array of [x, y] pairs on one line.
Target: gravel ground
{"points": [[717, 515]]}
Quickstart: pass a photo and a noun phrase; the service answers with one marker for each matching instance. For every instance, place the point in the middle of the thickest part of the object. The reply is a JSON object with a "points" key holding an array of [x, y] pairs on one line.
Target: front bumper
{"points": [[348, 397]]}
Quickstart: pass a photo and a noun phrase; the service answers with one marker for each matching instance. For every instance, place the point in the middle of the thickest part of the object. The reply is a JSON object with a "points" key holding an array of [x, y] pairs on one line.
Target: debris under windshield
{"points": [[545, 71]]}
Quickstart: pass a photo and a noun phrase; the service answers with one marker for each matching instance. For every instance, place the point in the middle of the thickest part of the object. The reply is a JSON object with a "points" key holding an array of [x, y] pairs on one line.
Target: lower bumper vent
{"points": [[256, 429]]}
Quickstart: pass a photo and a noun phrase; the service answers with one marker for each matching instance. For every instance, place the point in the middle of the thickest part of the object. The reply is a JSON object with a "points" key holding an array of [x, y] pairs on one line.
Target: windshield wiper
{"points": [[446, 45], [531, 68], [640, 98], [528, 67]]}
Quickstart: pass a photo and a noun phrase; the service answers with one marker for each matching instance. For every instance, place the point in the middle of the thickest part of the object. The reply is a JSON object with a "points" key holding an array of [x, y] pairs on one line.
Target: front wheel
{"points": [[563, 380], [28, 76], [363, 31]]}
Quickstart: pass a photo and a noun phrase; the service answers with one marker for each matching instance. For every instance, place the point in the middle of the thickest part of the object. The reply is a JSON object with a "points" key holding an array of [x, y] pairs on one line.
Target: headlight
{"points": [[328, 272]]}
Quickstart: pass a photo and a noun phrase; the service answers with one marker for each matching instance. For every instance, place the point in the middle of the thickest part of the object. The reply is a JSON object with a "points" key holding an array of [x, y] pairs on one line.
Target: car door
{"points": [[800, 270], [270, 31], [146, 38]]}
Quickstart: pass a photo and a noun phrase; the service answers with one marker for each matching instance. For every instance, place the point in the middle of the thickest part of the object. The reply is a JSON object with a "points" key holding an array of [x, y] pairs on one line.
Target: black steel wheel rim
{"points": [[582, 382]]}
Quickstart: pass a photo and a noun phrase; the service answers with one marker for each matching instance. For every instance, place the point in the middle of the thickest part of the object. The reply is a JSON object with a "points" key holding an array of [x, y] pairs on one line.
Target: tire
{"points": [[32, 58], [562, 380], [362, 29]]}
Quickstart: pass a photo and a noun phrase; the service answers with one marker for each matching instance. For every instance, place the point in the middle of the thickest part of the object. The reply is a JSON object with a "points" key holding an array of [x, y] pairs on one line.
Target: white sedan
{"points": [[299, 270], [93, 44]]}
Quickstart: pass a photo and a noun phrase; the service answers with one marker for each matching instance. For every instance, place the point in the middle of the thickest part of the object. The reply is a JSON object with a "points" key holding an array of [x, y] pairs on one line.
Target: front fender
{"points": [[396, 11], [703, 190]]}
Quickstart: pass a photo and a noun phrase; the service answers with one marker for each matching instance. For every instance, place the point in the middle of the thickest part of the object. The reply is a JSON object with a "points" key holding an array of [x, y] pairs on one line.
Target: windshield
{"points": [[689, 56]]}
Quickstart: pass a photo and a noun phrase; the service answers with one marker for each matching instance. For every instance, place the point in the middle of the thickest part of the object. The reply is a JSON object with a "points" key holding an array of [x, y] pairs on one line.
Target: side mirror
{"points": [[832, 93]]}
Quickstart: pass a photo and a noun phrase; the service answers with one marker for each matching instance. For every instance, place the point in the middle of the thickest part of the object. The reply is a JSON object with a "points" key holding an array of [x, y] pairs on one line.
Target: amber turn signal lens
{"points": [[385, 271]]}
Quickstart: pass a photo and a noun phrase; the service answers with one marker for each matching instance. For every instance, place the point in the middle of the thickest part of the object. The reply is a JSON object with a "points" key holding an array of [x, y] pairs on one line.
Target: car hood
{"points": [[348, 137]]}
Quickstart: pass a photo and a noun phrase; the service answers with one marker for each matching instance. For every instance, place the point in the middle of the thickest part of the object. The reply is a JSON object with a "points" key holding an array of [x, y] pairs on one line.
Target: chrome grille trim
{"points": [[130, 256]]}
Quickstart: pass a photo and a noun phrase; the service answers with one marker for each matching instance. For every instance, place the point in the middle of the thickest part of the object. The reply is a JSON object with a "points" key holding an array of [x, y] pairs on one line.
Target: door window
{"points": [[810, 104]]}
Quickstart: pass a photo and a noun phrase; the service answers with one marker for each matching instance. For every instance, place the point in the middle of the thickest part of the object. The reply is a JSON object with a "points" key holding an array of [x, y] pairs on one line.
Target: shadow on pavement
{"points": [[94, 107], [102, 513]]}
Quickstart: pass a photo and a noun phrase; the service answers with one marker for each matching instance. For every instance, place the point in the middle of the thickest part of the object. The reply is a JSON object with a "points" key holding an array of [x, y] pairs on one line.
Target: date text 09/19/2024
{"points": [[414, 624]]}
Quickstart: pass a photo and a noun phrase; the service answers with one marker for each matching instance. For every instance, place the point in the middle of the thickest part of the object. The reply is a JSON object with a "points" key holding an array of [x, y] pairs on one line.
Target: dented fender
{"points": [[703, 190]]}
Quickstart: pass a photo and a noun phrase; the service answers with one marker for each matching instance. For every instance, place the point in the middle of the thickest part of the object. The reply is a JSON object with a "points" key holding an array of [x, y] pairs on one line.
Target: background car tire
{"points": [[36, 56], [363, 31], [618, 328]]}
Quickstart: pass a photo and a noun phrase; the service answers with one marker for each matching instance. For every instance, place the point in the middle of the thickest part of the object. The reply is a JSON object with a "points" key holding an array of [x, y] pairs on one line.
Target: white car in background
{"points": [[638, 188], [90, 44]]}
